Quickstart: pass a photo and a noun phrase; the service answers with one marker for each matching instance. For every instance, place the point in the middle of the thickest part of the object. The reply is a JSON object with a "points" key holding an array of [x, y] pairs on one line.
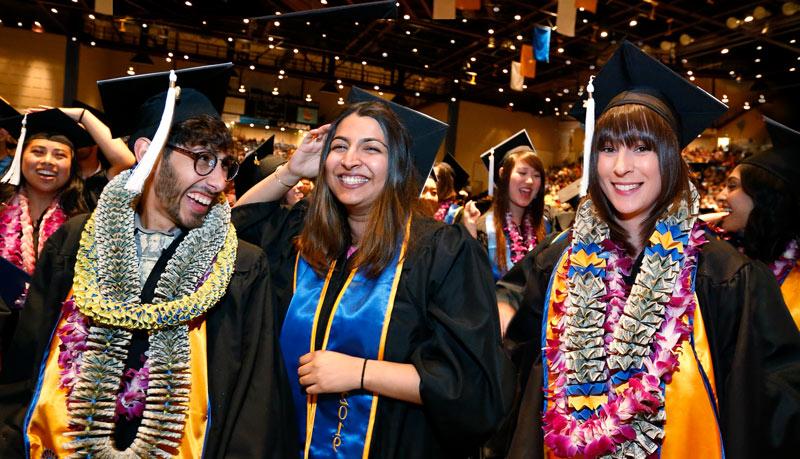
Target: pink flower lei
{"points": [[441, 212], [73, 336], [786, 262], [610, 425], [520, 244], [16, 230]]}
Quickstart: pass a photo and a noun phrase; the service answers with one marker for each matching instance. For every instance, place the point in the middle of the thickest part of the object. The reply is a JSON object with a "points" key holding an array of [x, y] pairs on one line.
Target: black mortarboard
{"points": [[256, 166], [427, 133], [520, 140], [14, 283], [6, 110], [134, 104], [52, 121], [783, 159], [364, 12], [633, 77], [461, 177]]}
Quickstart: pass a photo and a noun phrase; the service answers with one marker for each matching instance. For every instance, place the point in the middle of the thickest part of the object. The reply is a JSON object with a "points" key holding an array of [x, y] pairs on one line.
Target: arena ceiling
{"points": [[422, 60]]}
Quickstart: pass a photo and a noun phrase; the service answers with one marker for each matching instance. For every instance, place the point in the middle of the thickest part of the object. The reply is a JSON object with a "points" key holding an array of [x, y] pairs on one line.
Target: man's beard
{"points": [[167, 192]]}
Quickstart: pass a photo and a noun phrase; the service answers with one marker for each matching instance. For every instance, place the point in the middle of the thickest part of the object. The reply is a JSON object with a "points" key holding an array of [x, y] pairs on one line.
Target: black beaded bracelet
{"points": [[363, 370]]}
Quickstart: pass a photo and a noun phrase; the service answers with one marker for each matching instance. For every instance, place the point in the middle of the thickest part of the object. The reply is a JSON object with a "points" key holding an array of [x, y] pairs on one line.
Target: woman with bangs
{"points": [[390, 337], [638, 333]]}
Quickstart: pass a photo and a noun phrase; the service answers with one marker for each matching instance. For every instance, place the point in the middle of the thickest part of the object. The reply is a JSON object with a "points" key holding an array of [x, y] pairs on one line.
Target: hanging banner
{"points": [[444, 9], [587, 5], [517, 80], [104, 7], [468, 4], [565, 21], [541, 43], [527, 64]]}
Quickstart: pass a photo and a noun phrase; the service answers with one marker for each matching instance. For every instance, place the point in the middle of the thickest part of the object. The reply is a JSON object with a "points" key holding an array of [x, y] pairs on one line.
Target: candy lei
{"points": [[520, 244], [786, 262], [612, 350], [441, 212], [96, 333], [16, 231]]}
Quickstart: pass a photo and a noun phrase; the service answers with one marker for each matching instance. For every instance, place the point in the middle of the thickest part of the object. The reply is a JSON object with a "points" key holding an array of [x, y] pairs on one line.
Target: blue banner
{"points": [[541, 43]]}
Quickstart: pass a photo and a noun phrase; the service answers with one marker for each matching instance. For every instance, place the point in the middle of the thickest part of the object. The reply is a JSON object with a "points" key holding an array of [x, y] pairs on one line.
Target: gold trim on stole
{"points": [[791, 294], [49, 419]]}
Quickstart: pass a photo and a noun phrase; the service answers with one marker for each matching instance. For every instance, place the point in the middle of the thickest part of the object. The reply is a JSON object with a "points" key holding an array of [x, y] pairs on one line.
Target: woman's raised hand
{"points": [[305, 160], [471, 216]]}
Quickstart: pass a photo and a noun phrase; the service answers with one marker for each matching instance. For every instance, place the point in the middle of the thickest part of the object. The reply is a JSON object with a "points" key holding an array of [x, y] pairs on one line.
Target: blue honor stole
{"points": [[338, 425], [452, 211], [491, 237]]}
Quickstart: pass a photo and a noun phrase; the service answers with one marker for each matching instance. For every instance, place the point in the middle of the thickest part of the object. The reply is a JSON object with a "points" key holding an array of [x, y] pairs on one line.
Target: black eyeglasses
{"points": [[205, 162]]}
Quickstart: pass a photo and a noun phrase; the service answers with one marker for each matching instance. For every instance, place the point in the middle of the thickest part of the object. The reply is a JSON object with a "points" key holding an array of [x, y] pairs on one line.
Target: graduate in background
{"points": [[639, 334], [764, 219], [148, 329], [389, 313]]}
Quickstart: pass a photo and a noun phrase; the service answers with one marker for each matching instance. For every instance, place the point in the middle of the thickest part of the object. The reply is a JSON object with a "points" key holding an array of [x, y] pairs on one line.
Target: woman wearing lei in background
{"points": [[519, 203], [637, 333], [764, 218], [390, 338]]}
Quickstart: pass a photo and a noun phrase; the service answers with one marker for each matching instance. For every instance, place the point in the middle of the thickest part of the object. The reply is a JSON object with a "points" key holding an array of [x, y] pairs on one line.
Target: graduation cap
{"points": [[52, 121], [364, 12], [493, 158], [14, 283], [158, 101], [783, 159], [461, 177], [633, 77], [256, 166], [427, 133], [6, 110]]}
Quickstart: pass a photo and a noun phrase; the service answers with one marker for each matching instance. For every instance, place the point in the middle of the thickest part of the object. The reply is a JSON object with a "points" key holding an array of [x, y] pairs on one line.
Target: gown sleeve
{"points": [[755, 348], [466, 382]]}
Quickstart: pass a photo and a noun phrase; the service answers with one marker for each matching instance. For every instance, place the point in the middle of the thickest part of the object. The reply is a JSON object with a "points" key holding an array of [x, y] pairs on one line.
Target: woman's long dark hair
{"points": [[775, 217], [326, 233], [627, 125], [445, 181], [500, 205], [71, 195]]}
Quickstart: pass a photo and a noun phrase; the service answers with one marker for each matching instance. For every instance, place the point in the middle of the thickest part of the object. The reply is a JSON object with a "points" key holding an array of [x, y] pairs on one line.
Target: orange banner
{"points": [[468, 4], [587, 5], [527, 64]]}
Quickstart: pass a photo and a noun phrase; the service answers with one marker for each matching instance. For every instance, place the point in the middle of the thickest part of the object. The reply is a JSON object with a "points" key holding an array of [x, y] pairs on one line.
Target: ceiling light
{"points": [[748, 19], [732, 73], [230, 39], [633, 22], [505, 70], [455, 81], [792, 69], [560, 50], [757, 76], [282, 72], [725, 51], [271, 46], [91, 16], [54, 11], [464, 20], [363, 62], [511, 104], [283, 129], [277, 23], [406, 17], [452, 42], [691, 78], [246, 20], [336, 58], [187, 3], [519, 37], [252, 67], [491, 31], [603, 34], [408, 32], [144, 25], [92, 43], [472, 59], [757, 60], [517, 17], [427, 66], [416, 94], [547, 99], [499, 89], [452, 99], [385, 54], [414, 50], [377, 88], [689, 73], [792, 41], [759, 48], [340, 101], [252, 125], [131, 71]]}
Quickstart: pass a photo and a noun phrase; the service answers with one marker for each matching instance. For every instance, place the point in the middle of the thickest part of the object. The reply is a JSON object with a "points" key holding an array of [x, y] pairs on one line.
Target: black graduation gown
{"points": [[251, 413], [755, 351], [444, 322]]}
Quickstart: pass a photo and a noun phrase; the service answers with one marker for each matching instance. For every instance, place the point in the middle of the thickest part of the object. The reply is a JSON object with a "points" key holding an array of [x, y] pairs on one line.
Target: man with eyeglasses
{"points": [[149, 328]]}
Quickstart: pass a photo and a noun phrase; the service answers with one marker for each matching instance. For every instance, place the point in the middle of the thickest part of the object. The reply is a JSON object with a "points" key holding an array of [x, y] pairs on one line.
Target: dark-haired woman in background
{"points": [[449, 208], [764, 219], [638, 334], [389, 315], [48, 189]]}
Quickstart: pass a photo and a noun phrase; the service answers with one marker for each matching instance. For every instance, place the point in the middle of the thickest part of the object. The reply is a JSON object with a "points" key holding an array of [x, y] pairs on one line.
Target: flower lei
{"points": [[786, 262], [612, 349], [16, 230], [96, 331], [441, 212], [520, 244]]}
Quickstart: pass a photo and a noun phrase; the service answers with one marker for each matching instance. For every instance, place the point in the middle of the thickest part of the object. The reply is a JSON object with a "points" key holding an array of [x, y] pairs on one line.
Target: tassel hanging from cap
{"points": [[587, 139], [491, 172], [13, 175], [139, 176]]}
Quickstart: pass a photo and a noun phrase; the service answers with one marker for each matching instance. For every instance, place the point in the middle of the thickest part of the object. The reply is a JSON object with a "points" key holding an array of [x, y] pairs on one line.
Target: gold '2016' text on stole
{"points": [[338, 425]]}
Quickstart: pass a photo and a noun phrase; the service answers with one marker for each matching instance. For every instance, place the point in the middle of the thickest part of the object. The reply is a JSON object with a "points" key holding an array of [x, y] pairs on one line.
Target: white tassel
{"points": [[587, 139], [491, 172], [139, 176], [13, 174]]}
